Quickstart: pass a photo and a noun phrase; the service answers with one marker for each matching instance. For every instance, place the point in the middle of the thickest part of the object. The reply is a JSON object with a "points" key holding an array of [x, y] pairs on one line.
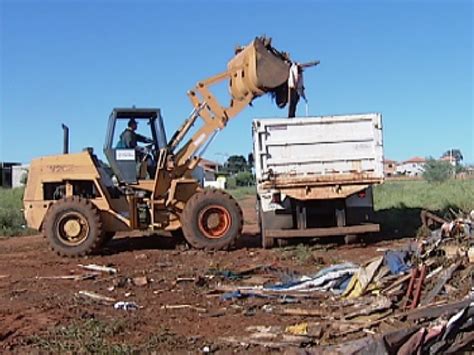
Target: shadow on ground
{"points": [[395, 223]]}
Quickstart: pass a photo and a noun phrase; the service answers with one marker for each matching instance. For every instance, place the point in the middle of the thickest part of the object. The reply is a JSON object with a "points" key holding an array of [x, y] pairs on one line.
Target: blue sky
{"points": [[73, 61]]}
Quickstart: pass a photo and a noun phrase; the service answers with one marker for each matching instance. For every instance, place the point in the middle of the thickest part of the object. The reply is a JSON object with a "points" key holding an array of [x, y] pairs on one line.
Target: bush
{"points": [[231, 183], [244, 178], [437, 171], [11, 217]]}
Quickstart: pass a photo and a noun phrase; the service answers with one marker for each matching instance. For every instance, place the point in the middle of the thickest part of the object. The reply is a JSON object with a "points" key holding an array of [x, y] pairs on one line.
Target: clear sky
{"points": [[73, 61]]}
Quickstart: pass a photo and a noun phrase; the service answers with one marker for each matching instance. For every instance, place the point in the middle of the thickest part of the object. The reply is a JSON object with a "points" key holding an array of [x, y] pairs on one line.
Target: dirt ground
{"points": [[37, 312]]}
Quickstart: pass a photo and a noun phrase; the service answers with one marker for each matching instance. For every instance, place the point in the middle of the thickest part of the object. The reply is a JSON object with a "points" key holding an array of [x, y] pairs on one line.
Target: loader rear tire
{"points": [[211, 219], [73, 227]]}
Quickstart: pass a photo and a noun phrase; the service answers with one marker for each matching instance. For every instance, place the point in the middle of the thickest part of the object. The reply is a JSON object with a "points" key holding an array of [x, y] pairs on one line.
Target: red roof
{"points": [[415, 160]]}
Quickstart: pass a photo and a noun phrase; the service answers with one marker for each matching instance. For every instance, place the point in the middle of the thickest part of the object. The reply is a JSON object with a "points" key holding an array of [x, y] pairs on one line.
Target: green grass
{"points": [[240, 193], [95, 336], [11, 217], [88, 336], [456, 194], [398, 204]]}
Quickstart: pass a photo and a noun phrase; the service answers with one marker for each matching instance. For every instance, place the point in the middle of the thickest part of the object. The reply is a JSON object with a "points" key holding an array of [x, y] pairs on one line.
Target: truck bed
{"points": [[322, 150]]}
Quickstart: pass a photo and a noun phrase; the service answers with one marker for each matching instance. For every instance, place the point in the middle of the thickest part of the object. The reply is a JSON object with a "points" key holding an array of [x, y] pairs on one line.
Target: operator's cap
{"points": [[131, 122]]}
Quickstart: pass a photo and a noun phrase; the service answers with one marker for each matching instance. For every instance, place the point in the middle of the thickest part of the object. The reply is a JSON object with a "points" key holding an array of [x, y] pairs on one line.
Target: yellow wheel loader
{"points": [[79, 203]]}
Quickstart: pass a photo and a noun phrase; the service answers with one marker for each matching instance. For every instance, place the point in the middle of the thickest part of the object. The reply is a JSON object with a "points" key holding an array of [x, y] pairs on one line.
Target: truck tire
{"points": [[211, 219], [351, 239], [267, 243], [73, 227], [282, 242]]}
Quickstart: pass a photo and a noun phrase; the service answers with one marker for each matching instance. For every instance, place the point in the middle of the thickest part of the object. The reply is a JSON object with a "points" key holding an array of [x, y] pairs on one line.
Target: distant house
{"points": [[450, 159], [211, 178], [210, 169], [11, 174], [389, 167], [412, 167]]}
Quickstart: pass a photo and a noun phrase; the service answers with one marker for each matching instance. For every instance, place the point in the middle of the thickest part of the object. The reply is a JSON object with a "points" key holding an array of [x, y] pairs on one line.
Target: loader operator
{"points": [[129, 139]]}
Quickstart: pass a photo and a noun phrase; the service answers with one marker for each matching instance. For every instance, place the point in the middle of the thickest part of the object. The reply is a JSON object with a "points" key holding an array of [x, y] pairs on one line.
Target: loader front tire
{"points": [[211, 219], [73, 227]]}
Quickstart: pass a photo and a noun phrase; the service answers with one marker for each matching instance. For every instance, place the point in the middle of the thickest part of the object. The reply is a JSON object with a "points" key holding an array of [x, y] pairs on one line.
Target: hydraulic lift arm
{"points": [[255, 70]]}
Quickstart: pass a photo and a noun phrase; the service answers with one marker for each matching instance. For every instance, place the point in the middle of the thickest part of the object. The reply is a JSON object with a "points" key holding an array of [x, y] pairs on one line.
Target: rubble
{"points": [[416, 299]]}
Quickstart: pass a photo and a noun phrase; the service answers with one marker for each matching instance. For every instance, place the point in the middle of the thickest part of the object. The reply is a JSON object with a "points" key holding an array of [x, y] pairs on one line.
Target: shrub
{"points": [[437, 171], [11, 217], [244, 178]]}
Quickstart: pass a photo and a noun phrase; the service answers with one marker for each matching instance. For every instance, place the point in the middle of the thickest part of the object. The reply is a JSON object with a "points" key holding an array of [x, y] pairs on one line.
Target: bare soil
{"points": [[32, 305]]}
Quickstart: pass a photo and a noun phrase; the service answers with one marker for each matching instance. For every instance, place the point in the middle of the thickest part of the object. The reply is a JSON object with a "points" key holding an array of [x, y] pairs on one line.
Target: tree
{"points": [[244, 178], [437, 170], [455, 153], [236, 164]]}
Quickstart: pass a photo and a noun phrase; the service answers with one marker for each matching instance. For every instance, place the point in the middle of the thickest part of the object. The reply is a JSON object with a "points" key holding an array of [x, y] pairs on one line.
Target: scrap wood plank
{"points": [[444, 277], [246, 290], [400, 281], [307, 312], [435, 311]]}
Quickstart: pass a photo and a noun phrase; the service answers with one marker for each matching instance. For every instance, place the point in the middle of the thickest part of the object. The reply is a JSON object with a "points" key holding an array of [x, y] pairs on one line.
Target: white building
{"points": [[412, 167]]}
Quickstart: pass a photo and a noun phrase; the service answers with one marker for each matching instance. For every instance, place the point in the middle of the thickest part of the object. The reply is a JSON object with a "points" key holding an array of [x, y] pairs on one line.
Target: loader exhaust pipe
{"points": [[65, 138]]}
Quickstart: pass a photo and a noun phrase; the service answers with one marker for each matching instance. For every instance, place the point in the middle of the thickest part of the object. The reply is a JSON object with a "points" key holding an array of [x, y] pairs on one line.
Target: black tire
{"points": [[351, 239], [282, 242], [196, 219], [73, 227], [267, 243]]}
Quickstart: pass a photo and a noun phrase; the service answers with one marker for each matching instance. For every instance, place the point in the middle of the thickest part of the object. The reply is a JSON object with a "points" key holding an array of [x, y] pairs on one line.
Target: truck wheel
{"points": [[73, 227], [211, 219], [283, 243], [267, 243], [351, 239]]}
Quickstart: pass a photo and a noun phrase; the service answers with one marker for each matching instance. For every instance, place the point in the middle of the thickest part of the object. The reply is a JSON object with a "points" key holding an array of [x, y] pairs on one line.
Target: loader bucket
{"points": [[257, 69]]}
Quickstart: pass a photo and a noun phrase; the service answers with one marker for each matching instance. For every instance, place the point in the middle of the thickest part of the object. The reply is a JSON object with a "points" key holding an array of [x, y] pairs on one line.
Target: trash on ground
{"points": [[185, 306], [100, 268], [95, 296], [140, 281], [126, 306]]}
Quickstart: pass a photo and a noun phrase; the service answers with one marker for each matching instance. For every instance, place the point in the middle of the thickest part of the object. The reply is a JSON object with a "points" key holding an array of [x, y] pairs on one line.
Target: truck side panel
{"points": [[326, 146]]}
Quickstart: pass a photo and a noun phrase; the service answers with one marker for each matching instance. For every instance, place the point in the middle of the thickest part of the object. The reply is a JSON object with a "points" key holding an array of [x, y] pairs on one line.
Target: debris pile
{"points": [[416, 299]]}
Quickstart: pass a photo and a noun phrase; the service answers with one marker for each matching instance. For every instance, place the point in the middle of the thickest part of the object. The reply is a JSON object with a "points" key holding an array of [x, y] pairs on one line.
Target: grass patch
{"points": [[457, 194], [239, 193], [398, 204], [93, 336], [12, 221], [88, 336]]}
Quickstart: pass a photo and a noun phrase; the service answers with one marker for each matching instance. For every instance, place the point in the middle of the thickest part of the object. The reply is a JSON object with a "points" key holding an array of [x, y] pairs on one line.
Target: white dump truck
{"points": [[315, 175]]}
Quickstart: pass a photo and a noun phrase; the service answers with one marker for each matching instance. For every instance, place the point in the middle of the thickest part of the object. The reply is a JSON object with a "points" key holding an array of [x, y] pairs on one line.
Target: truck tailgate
{"points": [[324, 149]]}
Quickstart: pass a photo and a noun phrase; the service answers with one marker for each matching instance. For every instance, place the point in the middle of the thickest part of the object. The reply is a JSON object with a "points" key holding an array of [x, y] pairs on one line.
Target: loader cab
{"points": [[126, 163]]}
